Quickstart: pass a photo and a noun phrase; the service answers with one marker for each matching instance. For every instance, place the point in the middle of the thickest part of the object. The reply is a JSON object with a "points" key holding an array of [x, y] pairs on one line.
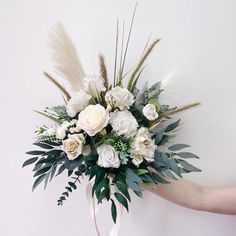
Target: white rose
{"points": [[51, 131], [108, 156], [123, 123], [143, 147], [94, 81], [149, 111], [93, 119], [119, 98], [78, 102], [73, 146]]}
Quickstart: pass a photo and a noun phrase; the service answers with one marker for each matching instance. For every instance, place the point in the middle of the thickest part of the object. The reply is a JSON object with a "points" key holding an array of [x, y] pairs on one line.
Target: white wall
{"points": [[198, 44]]}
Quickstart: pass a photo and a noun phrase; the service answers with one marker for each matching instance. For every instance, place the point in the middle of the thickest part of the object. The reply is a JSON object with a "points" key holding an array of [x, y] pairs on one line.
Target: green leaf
{"points": [[139, 194], [35, 153], [71, 165], [38, 181], [172, 126], [73, 185], [159, 136], [53, 171], [154, 90], [123, 188], [178, 146], [188, 166], [122, 200], [65, 194], [30, 161], [113, 211], [55, 152], [174, 167], [141, 171], [69, 189], [168, 173], [187, 155], [42, 171], [130, 174], [150, 185], [159, 179], [61, 169], [43, 145]]}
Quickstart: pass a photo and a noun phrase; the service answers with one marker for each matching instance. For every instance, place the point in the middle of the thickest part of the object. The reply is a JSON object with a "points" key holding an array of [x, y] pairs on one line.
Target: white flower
{"points": [[149, 111], [143, 147], [78, 102], [94, 81], [93, 119], [60, 133], [51, 131], [123, 123], [108, 156], [73, 146], [119, 98]]}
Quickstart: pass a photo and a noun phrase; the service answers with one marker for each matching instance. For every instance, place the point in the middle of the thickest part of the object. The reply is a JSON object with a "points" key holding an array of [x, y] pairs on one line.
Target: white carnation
{"points": [[108, 156], [143, 147], [77, 103], [123, 123], [119, 98], [149, 111], [95, 81]]}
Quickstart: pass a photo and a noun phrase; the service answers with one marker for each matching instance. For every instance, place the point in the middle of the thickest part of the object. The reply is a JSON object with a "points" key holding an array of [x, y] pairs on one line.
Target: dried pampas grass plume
{"points": [[66, 60]]}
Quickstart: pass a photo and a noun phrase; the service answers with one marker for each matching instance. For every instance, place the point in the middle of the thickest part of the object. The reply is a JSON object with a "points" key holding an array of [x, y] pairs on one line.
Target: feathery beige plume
{"points": [[103, 70], [66, 60]]}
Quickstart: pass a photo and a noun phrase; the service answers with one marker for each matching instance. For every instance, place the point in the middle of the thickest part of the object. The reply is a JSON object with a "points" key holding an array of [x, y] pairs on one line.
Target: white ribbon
{"points": [[93, 207]]}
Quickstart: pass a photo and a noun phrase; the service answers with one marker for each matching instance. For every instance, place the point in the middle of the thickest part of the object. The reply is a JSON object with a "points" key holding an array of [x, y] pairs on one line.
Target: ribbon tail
{"points": [[93, 206]]}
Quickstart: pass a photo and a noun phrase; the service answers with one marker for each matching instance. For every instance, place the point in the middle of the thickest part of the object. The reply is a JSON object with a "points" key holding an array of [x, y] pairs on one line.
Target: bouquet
{"points": [[107, 129]]}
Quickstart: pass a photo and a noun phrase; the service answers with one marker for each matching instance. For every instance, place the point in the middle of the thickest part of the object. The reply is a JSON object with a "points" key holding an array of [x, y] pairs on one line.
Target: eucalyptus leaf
{"points": [[172, 126], [189, 167], [178, 146], [187, 155]]}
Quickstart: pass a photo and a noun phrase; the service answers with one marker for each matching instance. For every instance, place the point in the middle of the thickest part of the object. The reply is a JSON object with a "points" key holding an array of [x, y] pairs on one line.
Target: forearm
{"points": [[194, 196]]}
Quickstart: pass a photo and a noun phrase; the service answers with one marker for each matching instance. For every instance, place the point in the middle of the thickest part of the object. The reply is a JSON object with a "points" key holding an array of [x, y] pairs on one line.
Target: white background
{"points": [[198, 46]]}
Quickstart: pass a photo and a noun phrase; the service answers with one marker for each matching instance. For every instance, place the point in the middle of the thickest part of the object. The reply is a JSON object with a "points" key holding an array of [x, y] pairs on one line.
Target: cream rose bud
{"points": [[93, 119], [108, 156], [78, 102], [73, 146], [123, 123], [149, 111], [60, 133], [119, 98], [95, 81]]}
